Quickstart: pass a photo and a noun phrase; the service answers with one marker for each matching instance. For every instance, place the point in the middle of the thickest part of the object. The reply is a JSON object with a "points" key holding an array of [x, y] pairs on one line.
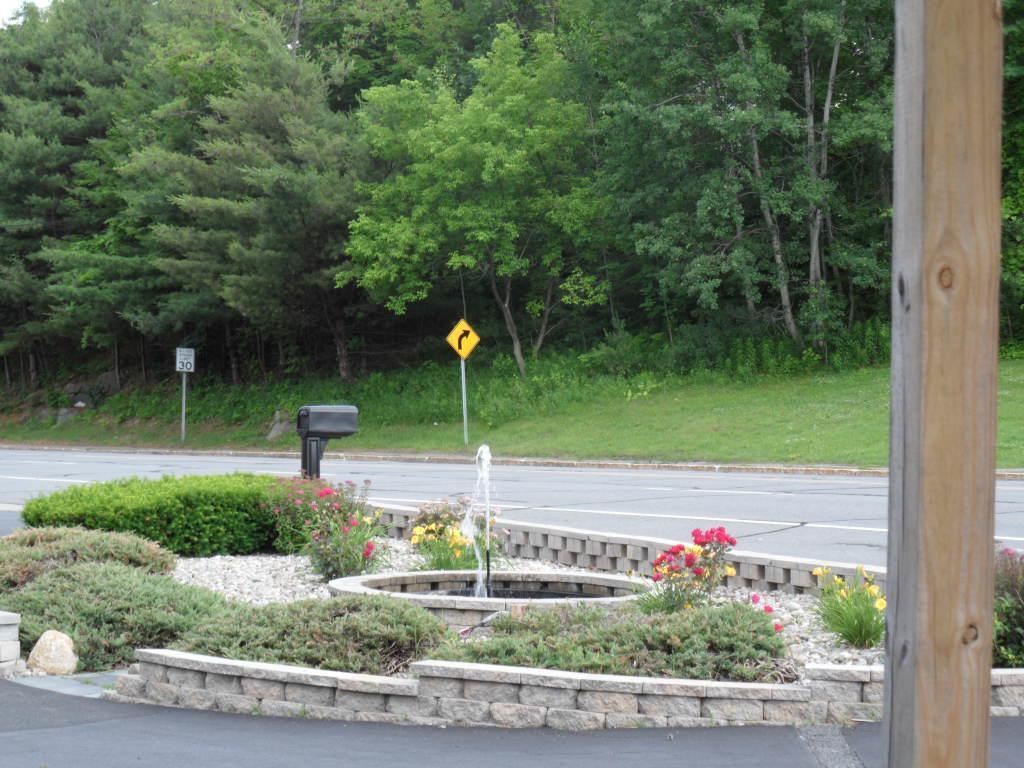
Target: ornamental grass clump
{"points": [[686, 574], [1008, 641], [438, 533], [854, 611]]}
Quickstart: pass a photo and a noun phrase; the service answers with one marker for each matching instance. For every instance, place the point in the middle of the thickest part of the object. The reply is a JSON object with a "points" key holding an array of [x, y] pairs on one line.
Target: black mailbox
{"points": [[316, 424]]}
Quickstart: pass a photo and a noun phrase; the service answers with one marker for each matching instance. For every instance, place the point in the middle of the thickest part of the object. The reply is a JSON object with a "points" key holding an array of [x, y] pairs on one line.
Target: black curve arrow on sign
{"points": [[462, 336]]}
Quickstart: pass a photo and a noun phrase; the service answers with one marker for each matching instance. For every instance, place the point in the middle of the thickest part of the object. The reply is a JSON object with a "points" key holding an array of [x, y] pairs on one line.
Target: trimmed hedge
{"points": [[110, 609], [27, 554], [373, 635], [718, 642], [193, 516]]}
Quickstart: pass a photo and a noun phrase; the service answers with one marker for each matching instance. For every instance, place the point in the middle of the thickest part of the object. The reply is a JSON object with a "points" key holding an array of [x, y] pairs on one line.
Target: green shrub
{"points": [[110, 609], [854, 611], [27, 554], [195, 516], [1008, 645], [374, 635], [721, 642]]}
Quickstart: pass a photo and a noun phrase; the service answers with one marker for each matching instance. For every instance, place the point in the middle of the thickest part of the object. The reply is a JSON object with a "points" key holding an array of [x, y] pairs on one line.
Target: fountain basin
{"points": [[449, 594]]}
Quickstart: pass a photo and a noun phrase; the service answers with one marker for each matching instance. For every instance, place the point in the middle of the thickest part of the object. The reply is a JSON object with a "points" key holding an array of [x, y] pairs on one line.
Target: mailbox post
{"points": [[316, 424]]}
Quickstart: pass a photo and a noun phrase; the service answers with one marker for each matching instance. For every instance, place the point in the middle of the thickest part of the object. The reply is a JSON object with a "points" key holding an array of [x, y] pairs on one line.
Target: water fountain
{"points": [[466, 598]]}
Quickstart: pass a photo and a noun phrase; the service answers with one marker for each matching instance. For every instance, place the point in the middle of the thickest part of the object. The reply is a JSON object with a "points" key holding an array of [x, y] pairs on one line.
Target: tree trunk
{"points": [[542, 332], [340, 332], [33, 372], [510, 321], [142, 359], [7, 372], [229, 346], [117, 365], [781, 273]]}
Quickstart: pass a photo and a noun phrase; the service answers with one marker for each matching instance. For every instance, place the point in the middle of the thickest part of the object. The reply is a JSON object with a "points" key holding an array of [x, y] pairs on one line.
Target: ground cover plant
{"points": [[854, 610], [194, 516], [1008, 641], [28, 553], [686, 574], [110, 609], [375, 634], [732, 641]]}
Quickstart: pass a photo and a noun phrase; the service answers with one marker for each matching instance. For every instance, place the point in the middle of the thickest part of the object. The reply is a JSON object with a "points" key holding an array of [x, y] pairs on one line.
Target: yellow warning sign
{"points": [[463, 339]]}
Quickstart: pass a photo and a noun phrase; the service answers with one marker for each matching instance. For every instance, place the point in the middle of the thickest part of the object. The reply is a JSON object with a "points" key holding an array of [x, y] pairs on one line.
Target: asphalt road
{"points": [[840, 519]]}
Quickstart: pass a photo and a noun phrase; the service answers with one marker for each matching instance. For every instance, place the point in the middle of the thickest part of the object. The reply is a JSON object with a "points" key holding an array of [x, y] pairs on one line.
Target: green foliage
{"points": [[720, 642], [854, 611], [110, 609], [193, 516], [30, 552], [343, 533], [1008, 642], [438, 534], [375, 635]]}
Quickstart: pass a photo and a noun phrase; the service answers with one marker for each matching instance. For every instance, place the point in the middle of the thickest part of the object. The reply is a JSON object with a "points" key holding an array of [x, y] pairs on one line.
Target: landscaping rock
{"points": [[518, 715], [603, 701], [574, 720], [54, 654], [280, 426], [535, 695]]}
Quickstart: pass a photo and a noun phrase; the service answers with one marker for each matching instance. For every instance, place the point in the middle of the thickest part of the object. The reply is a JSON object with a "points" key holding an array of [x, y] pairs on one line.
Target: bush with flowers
{"points": [[854, 611], [1008, 641], [686, 574], [334, 526], [438, 535]]}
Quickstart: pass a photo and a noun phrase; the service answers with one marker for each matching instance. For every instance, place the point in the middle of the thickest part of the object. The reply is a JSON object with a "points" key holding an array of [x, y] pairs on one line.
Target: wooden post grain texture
{"points": [[945, 367]]}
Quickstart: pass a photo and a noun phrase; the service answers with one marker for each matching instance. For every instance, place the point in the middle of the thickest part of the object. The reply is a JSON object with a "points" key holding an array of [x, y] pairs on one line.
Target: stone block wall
{"points": [[855, 693], [618, 553], [10, 646]]}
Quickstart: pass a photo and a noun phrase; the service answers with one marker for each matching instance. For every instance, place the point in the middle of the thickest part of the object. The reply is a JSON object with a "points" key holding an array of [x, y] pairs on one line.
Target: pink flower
{"points": [[325, 492], [656, 577], [354, 522], [698, 571], [345, 529], [778, 627], [368, 552], [755, 599], [769, 609]]}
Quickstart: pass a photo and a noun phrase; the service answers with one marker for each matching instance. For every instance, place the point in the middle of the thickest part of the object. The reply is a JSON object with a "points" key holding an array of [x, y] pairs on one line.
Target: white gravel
{"points": [[262, 579]]}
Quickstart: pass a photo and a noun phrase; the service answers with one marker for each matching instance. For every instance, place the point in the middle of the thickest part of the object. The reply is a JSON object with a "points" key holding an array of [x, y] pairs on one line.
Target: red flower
{"points": [[769, 609], [368, 552], [698, 571], [354, 522], [656, 577], [677, 549], [325, 492], [691, 559], [345, 529], [778, 627], [755, 599]]}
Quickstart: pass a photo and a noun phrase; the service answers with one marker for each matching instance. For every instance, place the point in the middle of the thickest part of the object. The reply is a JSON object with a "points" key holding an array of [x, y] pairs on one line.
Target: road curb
{"points": [[510, 461]]}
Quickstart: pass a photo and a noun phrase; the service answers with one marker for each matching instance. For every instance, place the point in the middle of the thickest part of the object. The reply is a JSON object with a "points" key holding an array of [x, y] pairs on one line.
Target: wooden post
{"points": [[945, 366]]}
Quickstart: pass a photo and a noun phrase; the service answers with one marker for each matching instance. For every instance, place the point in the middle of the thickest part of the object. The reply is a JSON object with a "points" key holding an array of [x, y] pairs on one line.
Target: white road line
{"points": [[47, 463], [10, 507], [788, 524], [45, 479]]}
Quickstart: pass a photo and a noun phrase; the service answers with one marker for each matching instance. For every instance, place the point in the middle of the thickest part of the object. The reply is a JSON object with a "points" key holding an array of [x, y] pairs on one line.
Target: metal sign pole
{"points": [[465, 409], [184, 388]]}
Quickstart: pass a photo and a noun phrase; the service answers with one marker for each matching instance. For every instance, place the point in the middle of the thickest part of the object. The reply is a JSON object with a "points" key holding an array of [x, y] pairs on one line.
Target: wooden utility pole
{"points": [[945, 365]]}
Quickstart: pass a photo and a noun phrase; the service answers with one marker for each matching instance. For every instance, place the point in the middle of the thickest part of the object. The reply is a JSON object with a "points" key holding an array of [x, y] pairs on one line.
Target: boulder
{"points": [[64, 415], [54, 654], [106, 384], [282, 425]]}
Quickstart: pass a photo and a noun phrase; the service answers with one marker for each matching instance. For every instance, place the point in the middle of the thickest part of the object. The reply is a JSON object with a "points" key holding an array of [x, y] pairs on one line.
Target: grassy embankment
{"points": [[561, 412]]}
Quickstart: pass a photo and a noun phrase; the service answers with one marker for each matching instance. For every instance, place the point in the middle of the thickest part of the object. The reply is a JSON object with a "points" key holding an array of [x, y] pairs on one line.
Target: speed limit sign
{"points": [[186, 360]]}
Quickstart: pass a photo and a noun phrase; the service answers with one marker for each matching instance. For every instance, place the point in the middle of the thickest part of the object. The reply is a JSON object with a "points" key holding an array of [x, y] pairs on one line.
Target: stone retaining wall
{"points": [[458, 693], [617, 553], [10, 647]]}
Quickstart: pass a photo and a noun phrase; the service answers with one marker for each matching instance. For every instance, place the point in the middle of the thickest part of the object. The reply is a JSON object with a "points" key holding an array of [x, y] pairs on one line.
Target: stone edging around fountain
{"points": [[458, 693], [619, 553], [459, 612]]}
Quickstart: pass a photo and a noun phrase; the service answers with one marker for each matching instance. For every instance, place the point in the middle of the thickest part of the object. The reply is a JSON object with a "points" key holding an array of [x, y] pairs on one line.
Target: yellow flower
{"points": [[458, 553], [880, 604], [418, 530], [367, 519], [730, 571], [873, 590], [838, 580], [861, 571], [844, 592]]}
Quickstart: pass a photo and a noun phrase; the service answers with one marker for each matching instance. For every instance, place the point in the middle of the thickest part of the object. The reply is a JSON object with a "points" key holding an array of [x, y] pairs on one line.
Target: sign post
{"points": [[463, 339], [185, 364]]}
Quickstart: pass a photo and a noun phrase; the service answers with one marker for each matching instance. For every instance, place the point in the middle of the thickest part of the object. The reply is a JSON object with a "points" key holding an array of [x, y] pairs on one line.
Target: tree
{"points": [[491, 187]]}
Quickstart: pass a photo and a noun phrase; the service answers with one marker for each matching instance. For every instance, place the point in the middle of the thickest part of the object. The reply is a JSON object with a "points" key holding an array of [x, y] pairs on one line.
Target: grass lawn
{"points": [[840, 418]]}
